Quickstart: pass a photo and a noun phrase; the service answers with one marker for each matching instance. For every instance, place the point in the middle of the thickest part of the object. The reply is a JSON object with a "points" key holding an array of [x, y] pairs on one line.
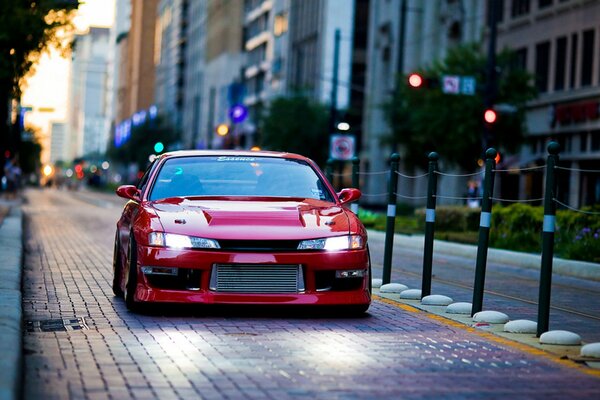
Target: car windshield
{"points": [[238, 176]]}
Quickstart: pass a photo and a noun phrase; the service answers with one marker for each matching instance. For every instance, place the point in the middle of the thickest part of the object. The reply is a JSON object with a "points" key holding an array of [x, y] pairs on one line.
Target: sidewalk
{"points": [[11, 326]]}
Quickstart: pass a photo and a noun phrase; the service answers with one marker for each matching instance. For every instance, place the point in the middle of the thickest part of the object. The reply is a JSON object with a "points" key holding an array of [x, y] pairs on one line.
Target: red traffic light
{"points": [[415, 80], [490, 116]]}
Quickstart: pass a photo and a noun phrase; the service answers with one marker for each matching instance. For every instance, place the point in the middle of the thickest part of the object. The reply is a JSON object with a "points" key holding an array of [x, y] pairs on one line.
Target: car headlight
{"points": [[350, 242], [175, 241]]}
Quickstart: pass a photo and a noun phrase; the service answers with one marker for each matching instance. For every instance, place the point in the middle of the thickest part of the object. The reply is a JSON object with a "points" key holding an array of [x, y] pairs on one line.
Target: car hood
{"points": [[252, 219]]}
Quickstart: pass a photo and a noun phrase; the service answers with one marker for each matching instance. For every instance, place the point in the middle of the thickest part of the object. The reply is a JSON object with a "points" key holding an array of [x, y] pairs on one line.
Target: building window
{"points": [[520, 59], [595, 141], [573, 60], [544, 3], [281, 24], [587, 60], [542, 55], [519, 7], [560, 63], [583, 142]]}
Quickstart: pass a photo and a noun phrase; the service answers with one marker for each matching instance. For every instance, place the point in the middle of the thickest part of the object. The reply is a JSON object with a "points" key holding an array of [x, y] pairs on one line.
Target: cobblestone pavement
{"points": [[242, 352]]}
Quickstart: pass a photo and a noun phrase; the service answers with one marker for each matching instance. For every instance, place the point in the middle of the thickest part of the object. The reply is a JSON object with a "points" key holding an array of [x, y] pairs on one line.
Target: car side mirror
{"points": [[129, 192], [349, 195]]}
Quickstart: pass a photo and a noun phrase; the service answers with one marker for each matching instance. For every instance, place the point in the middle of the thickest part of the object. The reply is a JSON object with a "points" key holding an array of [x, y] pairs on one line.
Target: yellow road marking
{"points": [[497, 339]]}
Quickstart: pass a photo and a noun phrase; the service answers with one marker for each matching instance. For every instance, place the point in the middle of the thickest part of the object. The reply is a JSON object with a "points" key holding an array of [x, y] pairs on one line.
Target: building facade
{"points": [[559, 42], [170, 59], [430, 29], [88, 123]]}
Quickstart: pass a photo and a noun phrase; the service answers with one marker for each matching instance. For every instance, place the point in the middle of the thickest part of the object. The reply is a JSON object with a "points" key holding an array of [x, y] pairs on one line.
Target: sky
{"points": [[46, 90]]}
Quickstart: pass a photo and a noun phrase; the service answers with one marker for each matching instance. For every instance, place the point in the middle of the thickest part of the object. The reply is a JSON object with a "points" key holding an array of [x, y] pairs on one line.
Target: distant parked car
{"points": [[240, 227]]}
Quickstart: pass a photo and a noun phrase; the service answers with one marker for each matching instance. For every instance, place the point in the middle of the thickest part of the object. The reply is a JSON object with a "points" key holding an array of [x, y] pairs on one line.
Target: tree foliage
{"points": [[27, 29], [425, 119], [297, 125], [140, 144]]}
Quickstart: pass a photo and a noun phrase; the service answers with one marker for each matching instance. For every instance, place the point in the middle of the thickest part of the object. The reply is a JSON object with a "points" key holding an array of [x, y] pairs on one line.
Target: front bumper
{"points": [[320, 287]]}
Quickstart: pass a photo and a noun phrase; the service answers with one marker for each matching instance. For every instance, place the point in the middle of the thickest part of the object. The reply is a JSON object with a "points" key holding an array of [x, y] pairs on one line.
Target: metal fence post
{"points": [[391, 219], [329, 171], [547, 240], [355, 182], [429, 225], [484, 230]]}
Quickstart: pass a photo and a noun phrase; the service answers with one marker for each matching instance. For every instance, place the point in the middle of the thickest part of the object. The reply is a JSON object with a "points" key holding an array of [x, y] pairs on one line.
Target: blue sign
{"points": [[238, 113]]}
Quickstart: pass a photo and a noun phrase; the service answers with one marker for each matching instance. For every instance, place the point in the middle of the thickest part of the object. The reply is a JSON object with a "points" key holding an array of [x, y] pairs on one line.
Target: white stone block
{"points": [[376, 282], [411, 294], [521, 326], [436, 300], [459, 308], [591, 350], [491, 317], [392, 288], [563, 338]]}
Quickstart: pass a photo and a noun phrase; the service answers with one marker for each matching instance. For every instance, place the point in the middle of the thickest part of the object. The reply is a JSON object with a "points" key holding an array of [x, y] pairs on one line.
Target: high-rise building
{"points": [[87, 111], [194, 77], [136, 74], [117, 46], [58, 142], [431, 28], [557, 41], [222, 71], [170, 59]]}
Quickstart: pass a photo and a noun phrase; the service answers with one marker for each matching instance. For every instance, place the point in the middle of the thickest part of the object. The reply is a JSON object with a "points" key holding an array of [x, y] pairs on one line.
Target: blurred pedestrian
{"points": [[12, 173], [472, 194]]}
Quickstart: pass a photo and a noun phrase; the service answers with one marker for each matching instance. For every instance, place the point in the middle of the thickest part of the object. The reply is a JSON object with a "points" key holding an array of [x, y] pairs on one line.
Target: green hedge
{"points": [[519, 227], [451, 218], [516, 227]]}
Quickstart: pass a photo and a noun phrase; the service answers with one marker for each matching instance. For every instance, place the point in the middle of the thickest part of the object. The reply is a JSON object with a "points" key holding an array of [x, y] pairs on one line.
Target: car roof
{"points": [[232, 153]]}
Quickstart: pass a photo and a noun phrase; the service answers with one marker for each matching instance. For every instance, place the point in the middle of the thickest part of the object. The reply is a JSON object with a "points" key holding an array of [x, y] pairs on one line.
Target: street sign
{"points": [[451, 84], [467, 85], [342, 147], [456, 84]]}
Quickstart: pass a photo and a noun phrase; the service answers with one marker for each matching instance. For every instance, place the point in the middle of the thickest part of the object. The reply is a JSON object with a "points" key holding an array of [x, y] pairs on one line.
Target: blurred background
{"points": [[92, 91]]}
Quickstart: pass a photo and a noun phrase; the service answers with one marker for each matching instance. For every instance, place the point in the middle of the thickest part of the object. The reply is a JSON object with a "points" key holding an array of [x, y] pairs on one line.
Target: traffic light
{"points": [[490, 116], [415, 80], [418, 81], [158, 147]]}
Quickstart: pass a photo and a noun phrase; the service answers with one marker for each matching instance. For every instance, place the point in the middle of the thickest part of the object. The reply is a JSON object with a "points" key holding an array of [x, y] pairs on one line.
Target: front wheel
{"points": [[117, 268], [131, 277]]}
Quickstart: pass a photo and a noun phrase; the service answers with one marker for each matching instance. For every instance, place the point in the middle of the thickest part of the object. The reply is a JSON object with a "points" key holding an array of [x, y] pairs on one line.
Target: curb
{"points": [[567, 355], [11, 312], [577, 269]]}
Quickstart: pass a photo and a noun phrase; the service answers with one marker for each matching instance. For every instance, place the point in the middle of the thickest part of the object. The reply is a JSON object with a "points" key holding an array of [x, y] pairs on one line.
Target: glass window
{"points": [[542, 55], [519, 7], [587, 57], [238, 176], [560, 63], [573, 60], [544, 3]]}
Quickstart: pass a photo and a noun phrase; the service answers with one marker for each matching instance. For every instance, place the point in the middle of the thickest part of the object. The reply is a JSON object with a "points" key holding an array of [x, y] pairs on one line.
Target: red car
{"points": [[240, 227]]}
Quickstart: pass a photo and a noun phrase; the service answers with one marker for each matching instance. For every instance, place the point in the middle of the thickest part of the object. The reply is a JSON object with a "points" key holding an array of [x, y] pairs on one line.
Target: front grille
{"points": [[259, 245], [250, 278]]}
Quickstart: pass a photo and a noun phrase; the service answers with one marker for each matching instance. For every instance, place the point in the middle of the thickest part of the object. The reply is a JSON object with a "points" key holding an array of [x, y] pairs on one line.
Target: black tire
{"points": [[131, 276], [117, 267]]}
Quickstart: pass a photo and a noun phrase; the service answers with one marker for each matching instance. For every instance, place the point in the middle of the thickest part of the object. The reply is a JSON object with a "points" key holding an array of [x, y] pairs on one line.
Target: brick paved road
{"points": [[240, 352]]}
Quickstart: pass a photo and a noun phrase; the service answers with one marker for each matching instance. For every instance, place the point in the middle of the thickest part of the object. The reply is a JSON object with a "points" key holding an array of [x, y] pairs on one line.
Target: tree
{"points": [[140, 144], [297, 125], [425, 119], [27, 29]]}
